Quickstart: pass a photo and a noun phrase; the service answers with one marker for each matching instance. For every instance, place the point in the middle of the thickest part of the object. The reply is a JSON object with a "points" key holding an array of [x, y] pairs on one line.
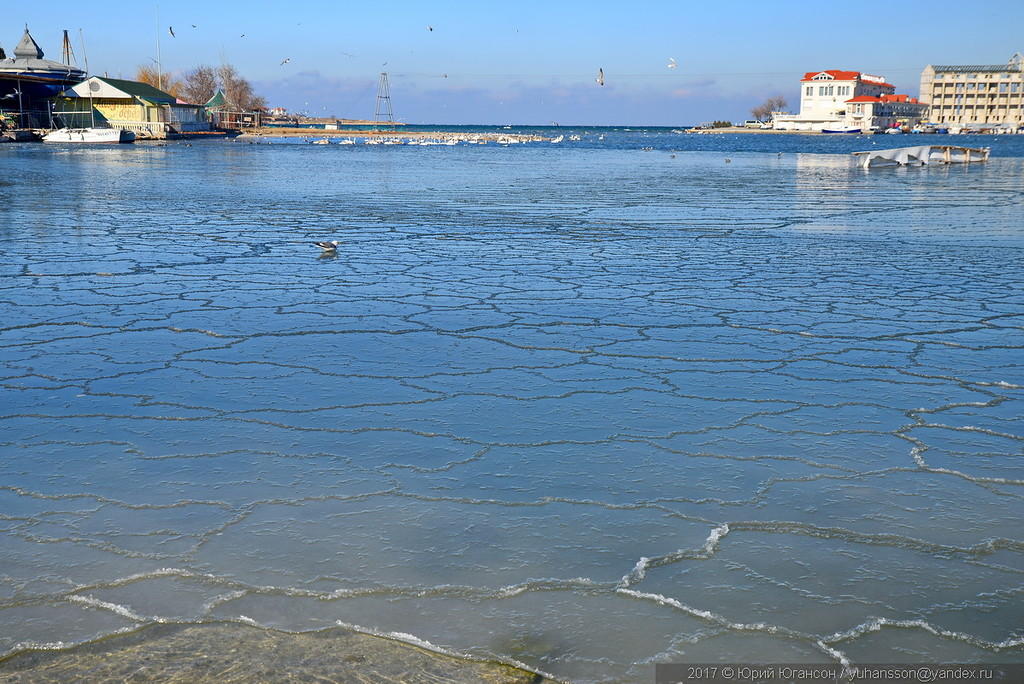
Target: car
{"points": [[751, 123]]}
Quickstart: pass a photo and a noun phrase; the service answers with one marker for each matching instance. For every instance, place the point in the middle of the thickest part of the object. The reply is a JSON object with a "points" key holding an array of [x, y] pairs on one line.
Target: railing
{"points": [[29, 118]]}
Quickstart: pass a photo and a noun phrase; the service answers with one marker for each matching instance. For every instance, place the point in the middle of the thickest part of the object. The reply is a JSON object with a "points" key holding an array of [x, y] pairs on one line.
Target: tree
{"points": [[775, 103], [164, 81], [237, 90], [199, 84]]}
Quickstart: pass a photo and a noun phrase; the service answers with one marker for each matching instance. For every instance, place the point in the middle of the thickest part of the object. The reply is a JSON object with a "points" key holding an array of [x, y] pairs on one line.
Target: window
{"points": [[810, 90]]}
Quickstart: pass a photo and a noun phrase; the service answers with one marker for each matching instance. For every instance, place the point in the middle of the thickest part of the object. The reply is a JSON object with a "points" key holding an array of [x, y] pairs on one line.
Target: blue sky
{"points": [[529, 62]]}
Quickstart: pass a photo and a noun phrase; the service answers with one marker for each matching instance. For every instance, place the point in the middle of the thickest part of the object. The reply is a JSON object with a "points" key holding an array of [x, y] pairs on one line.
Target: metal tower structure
{"points": [[384, 104]]}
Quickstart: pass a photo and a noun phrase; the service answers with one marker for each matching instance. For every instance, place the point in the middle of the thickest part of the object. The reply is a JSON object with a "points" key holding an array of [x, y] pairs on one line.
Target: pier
{"points": [[921, 155]]}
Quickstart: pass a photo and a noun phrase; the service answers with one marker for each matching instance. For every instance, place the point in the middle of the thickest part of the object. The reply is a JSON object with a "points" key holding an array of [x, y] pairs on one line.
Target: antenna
{"points": [[384, 100]]}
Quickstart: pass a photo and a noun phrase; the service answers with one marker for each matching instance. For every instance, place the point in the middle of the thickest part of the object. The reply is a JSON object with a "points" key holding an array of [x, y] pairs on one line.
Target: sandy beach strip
{"points": [[238, 653]]}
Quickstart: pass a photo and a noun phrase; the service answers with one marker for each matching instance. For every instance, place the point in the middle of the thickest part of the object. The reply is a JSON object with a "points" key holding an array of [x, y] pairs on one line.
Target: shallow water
{"points": [[585, 408]]}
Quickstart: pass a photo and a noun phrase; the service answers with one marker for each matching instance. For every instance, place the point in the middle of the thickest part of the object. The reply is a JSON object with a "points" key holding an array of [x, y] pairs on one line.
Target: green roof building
{"points": [[139, 107]]}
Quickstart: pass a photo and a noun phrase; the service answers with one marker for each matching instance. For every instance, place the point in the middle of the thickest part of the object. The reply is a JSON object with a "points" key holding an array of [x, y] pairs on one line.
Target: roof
{"points": [[139, 89], [884, 98], [836, 74], [1016, 63], [116, 88], [840, 75], [974, 69], [218, 100], [27, 48], [28, 60]]}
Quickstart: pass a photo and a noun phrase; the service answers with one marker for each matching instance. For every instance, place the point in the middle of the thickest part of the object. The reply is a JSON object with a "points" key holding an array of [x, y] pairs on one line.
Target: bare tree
{"points": [[202, 82], [162, 80], [775, 103], [199, 84], [237, 90]]}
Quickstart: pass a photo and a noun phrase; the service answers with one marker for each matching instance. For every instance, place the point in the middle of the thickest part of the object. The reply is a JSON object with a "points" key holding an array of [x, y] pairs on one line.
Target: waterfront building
{"points": [[872, 113], [138, 107], [28, 81], [849, 100], [976, 97]]}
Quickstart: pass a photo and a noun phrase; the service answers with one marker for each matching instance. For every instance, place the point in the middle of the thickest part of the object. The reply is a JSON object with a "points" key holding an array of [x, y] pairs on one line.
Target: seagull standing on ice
{"points": [[328, 247]]}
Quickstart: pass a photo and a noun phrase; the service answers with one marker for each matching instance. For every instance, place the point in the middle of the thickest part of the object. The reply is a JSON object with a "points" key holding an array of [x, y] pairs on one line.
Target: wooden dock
{"points": [[921, 155]]}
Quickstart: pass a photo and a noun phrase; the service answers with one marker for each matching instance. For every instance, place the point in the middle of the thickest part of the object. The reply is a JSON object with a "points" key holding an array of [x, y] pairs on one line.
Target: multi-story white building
{"points": [[849, 101], [976, 97]]}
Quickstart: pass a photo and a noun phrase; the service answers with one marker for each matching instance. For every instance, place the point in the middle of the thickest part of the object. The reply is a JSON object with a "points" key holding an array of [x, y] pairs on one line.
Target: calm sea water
{"points": [[651, 397]]}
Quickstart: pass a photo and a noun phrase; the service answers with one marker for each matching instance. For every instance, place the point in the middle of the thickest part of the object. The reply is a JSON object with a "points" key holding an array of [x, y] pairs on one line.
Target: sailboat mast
{"points": [[85, 57]]}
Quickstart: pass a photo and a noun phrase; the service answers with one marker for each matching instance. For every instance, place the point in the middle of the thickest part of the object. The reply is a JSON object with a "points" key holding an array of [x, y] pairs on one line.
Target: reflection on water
{"points": [[585, 409]]}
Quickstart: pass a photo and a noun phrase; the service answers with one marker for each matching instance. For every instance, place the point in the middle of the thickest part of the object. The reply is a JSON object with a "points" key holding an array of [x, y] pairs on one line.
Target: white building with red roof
{"points": [[849, 101]]}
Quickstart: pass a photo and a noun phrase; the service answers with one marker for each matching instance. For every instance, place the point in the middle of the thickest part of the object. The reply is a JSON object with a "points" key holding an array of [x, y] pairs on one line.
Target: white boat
{"points": [[841, 129], [89, 135]]}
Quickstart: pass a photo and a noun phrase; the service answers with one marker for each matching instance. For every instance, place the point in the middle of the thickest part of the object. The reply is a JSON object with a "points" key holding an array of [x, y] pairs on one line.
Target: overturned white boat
{"points": [[91, 134], [921, 155]]}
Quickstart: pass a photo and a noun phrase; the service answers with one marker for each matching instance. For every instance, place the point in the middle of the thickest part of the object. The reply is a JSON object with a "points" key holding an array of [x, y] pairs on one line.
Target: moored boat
{"points": [[91, 134]]}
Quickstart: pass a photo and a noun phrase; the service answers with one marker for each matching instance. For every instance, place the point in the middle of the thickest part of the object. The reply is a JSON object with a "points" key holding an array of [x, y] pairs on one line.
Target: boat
{"points": [[846, 129], [92, 134]]}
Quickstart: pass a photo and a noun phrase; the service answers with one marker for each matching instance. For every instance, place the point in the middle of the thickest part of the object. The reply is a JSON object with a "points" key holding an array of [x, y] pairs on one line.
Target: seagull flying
{"points": [[286, 60], [170, 29], [328, 247], [430, 28], [600, 77], [671, 63]]}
